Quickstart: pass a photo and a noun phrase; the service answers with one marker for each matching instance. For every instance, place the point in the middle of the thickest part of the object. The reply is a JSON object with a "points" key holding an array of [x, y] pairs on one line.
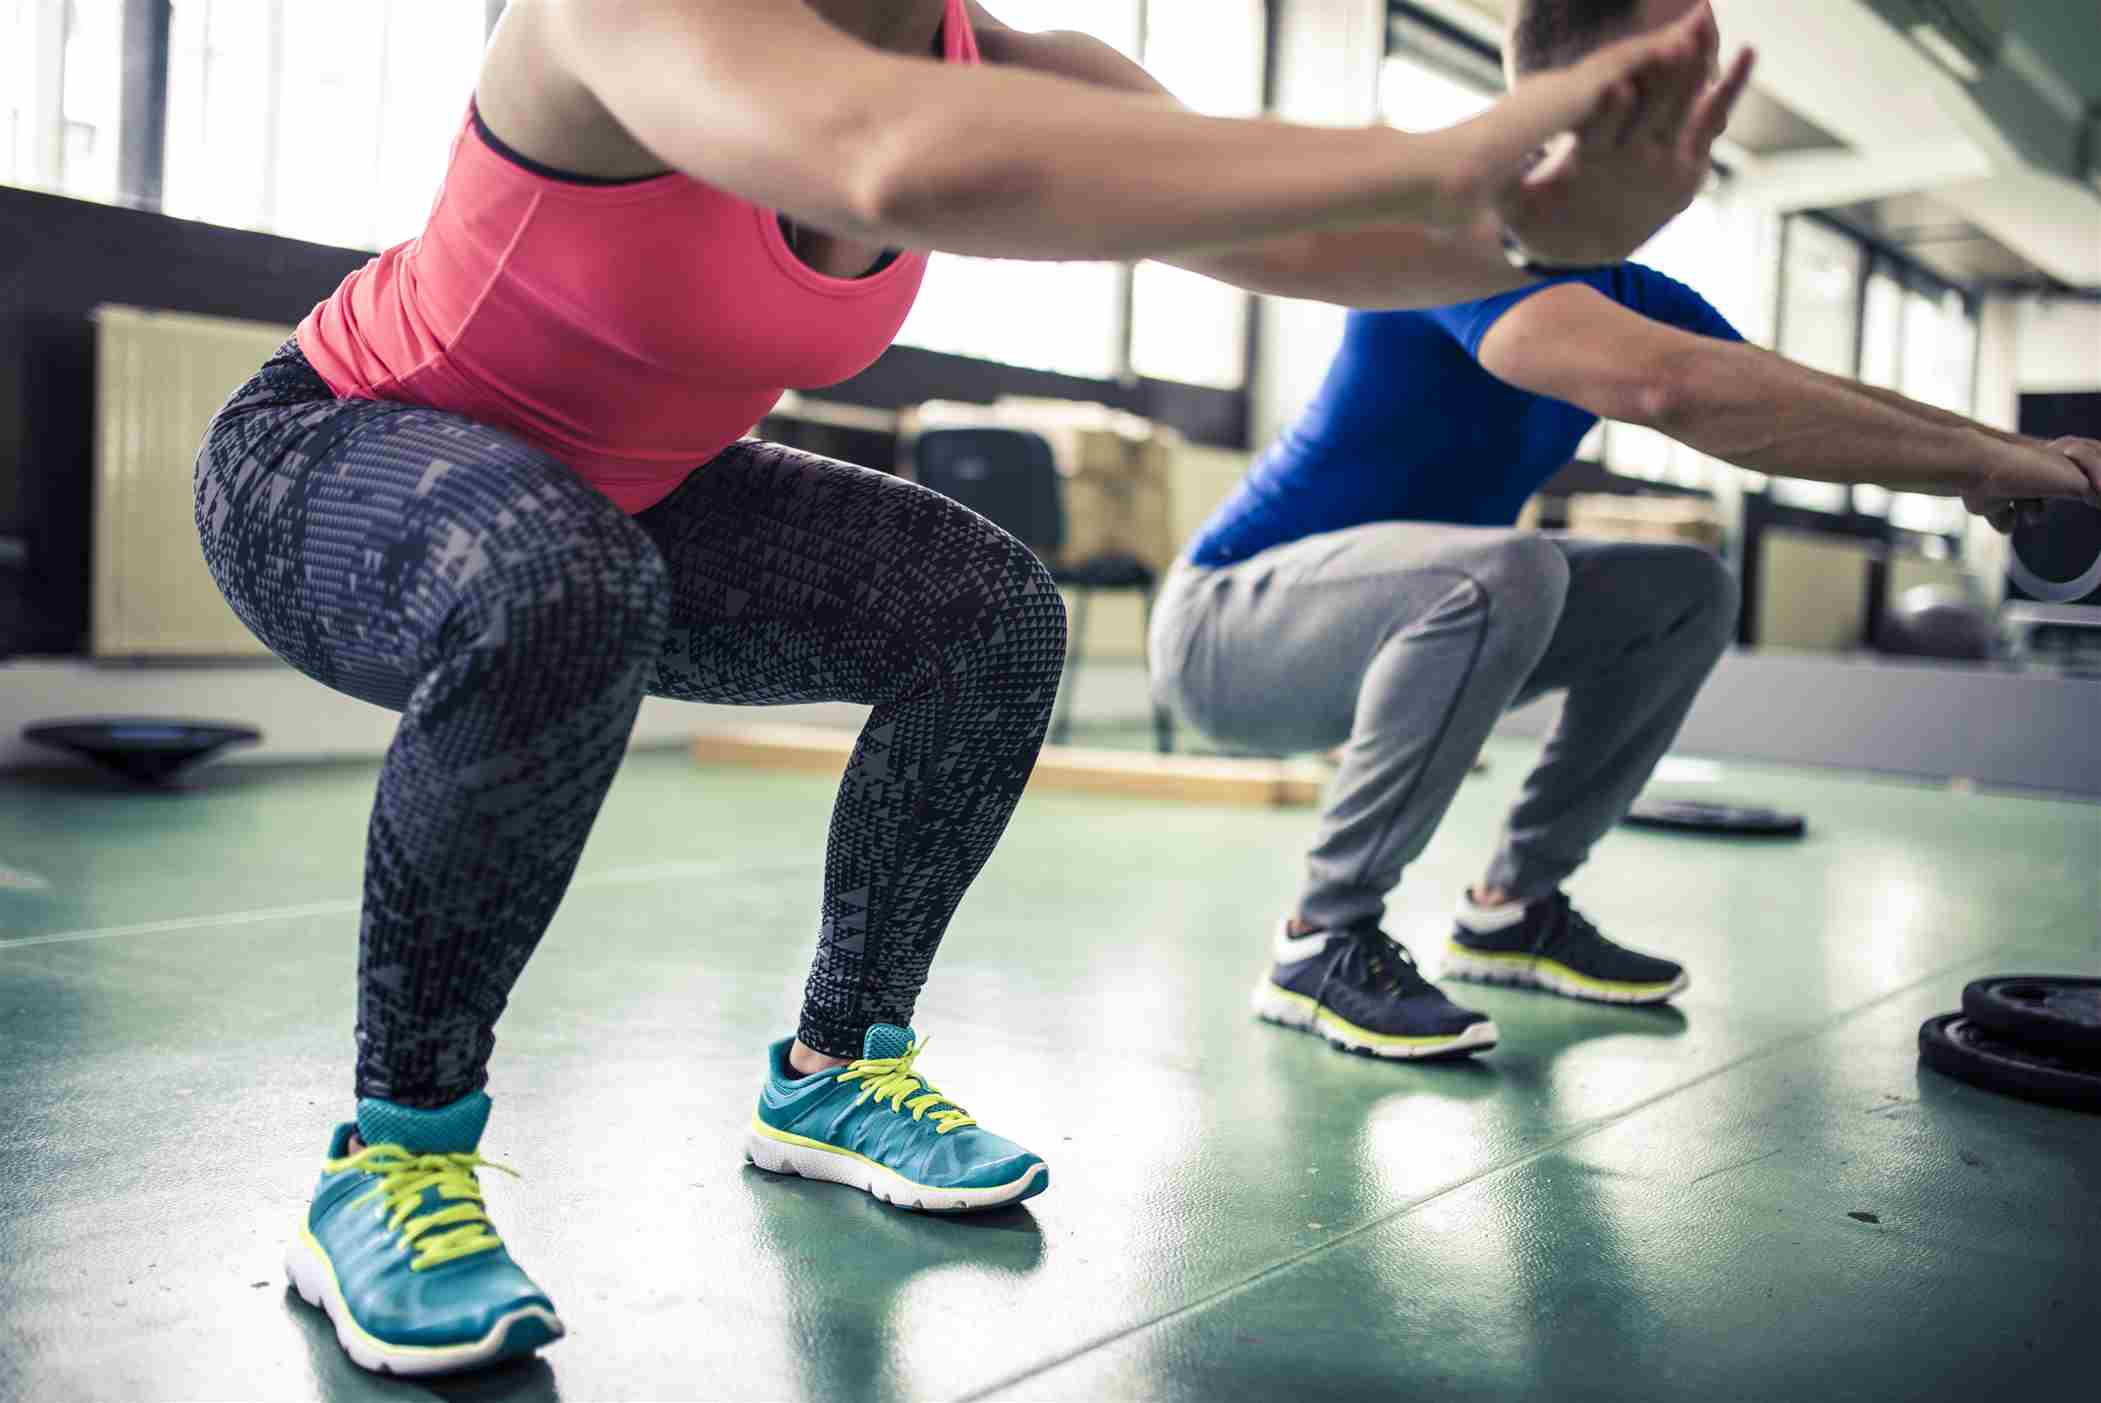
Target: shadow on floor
{"points": [[337, 1380]]}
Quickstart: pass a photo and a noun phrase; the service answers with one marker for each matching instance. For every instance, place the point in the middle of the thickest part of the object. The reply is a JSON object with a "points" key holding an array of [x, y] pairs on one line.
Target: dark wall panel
{"points": [[59, 258]]}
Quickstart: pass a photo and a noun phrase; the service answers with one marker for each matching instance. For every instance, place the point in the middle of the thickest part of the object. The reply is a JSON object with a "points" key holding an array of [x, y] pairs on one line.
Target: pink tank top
{"points": [[633, 330]]}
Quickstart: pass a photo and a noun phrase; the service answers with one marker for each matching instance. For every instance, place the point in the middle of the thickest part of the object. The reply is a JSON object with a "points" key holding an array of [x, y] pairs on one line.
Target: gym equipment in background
{"points": [[1937, 621], [1956, 1046], [2039, 1010], [2056, 555], [147, 750], [1010, 477], [1704, 816]]}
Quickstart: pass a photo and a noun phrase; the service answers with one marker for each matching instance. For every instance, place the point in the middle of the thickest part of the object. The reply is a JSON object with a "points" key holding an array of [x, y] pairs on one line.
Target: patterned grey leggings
{"points": [[515, 618]]}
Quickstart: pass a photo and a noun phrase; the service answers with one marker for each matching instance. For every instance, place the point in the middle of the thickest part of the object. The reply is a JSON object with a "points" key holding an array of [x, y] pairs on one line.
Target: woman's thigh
{"points": [[362, 539]]}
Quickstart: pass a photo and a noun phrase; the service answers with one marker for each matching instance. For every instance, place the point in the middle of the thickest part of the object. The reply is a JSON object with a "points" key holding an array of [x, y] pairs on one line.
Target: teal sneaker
{"points": [[398, 1248], [877, 1124]]}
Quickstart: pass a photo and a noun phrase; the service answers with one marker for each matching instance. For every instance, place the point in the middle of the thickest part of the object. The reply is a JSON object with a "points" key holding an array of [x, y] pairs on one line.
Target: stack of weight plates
{"points": [[2036, 1036]]}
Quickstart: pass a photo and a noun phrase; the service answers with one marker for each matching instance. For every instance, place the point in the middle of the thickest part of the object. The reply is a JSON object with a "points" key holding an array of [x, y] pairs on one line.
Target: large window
{"points": [[1918, 337], [1186, 327], [282, 117], [60, 90], [1938, 368], [1820, 327], [1096, 319], [286, 116]]}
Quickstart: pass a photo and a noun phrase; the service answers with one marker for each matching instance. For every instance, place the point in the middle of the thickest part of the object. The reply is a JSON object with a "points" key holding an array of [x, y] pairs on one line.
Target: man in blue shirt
{"points": [[1364, 588]]}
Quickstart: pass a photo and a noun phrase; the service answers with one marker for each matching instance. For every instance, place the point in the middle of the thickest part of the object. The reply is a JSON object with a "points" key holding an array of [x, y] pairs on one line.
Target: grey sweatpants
{"points": [[1407, 641]]}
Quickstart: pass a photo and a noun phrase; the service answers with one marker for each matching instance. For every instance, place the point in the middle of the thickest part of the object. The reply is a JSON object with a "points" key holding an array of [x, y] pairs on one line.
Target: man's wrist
{"points": [[2021, 468]]}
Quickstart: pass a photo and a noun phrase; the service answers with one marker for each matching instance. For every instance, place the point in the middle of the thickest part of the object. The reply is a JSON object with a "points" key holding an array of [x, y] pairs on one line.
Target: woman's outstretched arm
{"points": [[767, 100], [1595, 211]]}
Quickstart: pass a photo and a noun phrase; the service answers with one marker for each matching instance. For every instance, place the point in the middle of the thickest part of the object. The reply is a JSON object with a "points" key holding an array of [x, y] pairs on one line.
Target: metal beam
{"points": [[1799, 180], [142, 126]]}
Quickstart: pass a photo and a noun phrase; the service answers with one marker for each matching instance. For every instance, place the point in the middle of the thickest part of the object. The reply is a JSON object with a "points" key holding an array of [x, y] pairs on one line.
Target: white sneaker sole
{"points": [[1533, 972], [1276, 1005], [315, 1281], [777, 1152]]}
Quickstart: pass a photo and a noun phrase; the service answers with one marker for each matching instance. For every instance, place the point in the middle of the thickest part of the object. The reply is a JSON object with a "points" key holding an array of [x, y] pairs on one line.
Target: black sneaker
{"points": [[1361, 991], [1553, 947]]}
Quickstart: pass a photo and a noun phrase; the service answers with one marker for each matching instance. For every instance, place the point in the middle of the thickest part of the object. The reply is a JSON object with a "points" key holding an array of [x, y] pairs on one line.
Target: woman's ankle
{"points": [[807, 1061]]}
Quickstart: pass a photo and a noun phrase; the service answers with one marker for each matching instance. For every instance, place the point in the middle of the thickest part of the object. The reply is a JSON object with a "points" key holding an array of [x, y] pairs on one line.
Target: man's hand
{"points": [[1634, 165], [2006, 515], [2086, 452]]}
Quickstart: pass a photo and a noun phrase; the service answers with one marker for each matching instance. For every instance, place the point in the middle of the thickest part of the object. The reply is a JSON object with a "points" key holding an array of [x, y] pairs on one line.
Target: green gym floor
{"points": [[1757, 1194]]}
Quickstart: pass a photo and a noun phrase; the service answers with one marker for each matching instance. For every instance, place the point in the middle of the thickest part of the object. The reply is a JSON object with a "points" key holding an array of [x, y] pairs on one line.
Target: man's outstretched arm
{"points": [[1750, 407]]}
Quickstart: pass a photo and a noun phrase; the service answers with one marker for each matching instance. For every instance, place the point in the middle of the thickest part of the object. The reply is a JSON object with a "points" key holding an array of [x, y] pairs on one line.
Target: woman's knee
{"points": [[1011, 608]]}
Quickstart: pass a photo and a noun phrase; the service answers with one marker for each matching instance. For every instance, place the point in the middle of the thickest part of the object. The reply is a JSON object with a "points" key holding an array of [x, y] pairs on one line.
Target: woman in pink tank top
{"points": [[498, 483]]}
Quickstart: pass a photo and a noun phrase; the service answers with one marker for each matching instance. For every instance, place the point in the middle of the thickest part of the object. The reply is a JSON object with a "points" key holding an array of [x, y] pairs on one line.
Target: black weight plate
{"points": [[2038, 1010], [2057, 552], [1954, 1046], [1700, 816]]}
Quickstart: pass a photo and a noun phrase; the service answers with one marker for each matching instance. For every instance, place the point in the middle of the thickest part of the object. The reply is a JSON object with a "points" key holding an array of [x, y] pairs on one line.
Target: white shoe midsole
{"points": [[1525, 971], [1278, 1005], [315, 1281], [769, 1151]]}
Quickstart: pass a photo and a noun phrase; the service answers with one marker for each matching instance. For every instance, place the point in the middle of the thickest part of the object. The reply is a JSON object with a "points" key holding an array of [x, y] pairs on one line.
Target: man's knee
{"points": [[1710, 592], [1523, 572], [1524, 581]]}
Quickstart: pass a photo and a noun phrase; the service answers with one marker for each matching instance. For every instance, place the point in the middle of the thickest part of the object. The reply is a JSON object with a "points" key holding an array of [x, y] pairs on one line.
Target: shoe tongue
{"points": [[448, 1130], [886, 1040]]}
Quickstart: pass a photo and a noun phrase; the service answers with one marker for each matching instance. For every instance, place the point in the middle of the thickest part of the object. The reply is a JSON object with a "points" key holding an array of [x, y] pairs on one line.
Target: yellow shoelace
{"points": [[403, 1177], [892, 1079]]}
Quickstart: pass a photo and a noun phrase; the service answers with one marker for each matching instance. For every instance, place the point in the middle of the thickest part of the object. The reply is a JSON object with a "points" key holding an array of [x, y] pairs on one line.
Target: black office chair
{"points": [[1009, 477]]}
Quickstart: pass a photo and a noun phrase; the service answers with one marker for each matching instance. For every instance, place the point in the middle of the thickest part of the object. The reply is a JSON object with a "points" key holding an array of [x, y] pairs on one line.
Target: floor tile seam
{"points": [[611, 877], [1581, 1131]]}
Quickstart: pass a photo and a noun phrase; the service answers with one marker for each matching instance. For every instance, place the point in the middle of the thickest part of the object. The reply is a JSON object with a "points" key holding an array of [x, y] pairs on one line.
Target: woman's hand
{"points": [[1638, 121]]}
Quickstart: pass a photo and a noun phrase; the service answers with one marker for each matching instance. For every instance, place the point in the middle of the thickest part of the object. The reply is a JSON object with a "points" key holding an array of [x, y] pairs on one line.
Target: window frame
{"points": [[1123, 369], [1880, 258]]}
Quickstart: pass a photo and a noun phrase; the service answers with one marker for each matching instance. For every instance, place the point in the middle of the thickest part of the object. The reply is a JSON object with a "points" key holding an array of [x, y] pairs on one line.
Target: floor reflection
{"points": [[846, 1274]]}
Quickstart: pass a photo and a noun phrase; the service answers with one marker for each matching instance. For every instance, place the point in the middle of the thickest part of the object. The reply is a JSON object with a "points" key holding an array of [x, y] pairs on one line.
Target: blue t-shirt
{"points": [[1409, 427]]}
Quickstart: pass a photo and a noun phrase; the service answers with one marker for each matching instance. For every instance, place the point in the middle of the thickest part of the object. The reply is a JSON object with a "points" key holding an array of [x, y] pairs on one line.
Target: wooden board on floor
{"points": [[1196, 778]]}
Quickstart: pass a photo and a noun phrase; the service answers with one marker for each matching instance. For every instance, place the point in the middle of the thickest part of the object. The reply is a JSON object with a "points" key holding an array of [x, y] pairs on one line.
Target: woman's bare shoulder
{"points": [[529, 94]]}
